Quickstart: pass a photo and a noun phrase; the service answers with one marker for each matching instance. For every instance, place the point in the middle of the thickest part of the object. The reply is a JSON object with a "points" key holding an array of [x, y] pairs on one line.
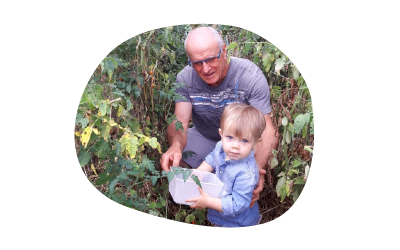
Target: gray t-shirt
{"points": [[244, 83]]}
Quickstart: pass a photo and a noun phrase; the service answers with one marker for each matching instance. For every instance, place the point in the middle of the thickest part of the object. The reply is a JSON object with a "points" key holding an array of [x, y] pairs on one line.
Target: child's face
{"points": [[235, 147]]}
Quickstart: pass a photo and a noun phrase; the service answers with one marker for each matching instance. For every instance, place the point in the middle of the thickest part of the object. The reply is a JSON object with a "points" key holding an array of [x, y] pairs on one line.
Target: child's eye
{"points": [[245, 141], [229, 137]]}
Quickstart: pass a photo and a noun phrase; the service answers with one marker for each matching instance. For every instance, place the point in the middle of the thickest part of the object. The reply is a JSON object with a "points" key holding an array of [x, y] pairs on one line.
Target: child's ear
{"points": [[220, 132]]}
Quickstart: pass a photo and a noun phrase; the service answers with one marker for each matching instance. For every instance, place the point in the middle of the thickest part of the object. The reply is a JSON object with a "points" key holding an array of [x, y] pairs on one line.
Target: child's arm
{"points": [[204, 166], [205, 201]]}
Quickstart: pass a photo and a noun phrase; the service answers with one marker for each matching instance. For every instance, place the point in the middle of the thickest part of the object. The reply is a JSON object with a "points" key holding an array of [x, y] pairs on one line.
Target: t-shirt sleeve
{"points": [[259, 94]]}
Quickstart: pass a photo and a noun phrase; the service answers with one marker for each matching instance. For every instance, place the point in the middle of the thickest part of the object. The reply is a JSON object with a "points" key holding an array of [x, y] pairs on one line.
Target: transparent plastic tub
{"points": [[182, 191]]}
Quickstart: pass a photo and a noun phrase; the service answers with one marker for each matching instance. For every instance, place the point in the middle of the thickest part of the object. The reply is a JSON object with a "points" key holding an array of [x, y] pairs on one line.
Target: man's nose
{"points": [[206, 67]]}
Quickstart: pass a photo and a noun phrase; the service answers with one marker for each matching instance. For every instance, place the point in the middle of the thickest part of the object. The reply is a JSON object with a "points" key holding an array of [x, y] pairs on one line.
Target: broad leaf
{"points": [[170, 175], [129, 144], [83, 158], [299, 123], [153, 179]]}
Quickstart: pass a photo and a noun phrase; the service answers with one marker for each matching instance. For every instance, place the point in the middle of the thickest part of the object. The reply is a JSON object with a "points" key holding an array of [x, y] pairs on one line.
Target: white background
{"points": [[347, 51]]}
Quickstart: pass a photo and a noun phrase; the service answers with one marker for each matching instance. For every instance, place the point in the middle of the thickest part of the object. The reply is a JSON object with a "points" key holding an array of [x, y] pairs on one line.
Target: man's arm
{"points": [[263, 151], [177, 139]]}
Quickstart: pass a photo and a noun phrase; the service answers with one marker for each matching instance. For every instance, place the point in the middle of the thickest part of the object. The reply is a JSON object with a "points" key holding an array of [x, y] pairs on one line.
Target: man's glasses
{"points": [[199, 64]]}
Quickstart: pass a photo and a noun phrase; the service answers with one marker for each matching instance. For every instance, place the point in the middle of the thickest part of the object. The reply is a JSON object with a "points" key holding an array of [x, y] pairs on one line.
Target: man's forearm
{"points": [[177, 138], [264, 148]]}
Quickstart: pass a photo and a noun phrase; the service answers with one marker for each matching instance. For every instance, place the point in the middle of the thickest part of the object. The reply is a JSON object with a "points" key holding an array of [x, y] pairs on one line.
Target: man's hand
{"points": [[259, 188], [171, 158]]}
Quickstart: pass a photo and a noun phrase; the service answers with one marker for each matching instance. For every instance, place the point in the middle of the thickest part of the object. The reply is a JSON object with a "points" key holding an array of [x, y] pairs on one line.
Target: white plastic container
{"points": [[182, 191]]}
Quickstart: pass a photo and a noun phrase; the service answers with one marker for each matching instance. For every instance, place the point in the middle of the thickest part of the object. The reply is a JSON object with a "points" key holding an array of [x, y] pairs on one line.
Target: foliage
{"points": [[120, 126]]}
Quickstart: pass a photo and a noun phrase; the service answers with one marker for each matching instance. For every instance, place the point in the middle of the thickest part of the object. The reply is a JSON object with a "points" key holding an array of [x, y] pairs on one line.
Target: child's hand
{"points": [[201, 201]]}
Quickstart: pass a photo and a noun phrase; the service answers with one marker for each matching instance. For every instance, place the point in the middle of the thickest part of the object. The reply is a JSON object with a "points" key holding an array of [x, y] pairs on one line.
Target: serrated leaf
{"points": [[186, 174], [152, 142], [83, 158], [170, 175], [196, 179], [178, 125], [129, 144]]}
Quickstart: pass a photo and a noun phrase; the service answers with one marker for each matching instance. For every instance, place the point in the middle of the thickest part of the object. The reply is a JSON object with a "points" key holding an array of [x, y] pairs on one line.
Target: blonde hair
{"points": [[239, 118]]}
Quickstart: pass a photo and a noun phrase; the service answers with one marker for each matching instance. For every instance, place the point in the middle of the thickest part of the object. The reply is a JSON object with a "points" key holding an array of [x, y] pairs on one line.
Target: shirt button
{"points": [[220, 171]]}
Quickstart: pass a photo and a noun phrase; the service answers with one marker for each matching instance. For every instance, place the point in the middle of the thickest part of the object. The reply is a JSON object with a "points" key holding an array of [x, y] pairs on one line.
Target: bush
{"points": [[128, 103]]}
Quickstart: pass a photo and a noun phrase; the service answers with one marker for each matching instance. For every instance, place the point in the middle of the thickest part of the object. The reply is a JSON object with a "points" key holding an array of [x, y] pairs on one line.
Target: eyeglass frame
{"points": [[205, 60]]}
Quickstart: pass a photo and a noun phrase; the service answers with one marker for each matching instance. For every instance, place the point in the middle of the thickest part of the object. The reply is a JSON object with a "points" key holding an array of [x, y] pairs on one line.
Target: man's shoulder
{"points": [[187, 73], [245, 65]]}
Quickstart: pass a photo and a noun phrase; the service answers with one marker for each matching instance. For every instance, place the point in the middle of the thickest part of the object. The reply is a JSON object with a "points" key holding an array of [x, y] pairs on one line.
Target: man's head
{"points": [[241, 128], [201, 44]]}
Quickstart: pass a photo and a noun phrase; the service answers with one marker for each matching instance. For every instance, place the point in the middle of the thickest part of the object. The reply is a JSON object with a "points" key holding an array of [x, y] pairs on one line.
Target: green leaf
{"points": [[129, 105], [284, 121], [103, 178], [231, 46], [186, 174], [312, 126], [274, 163], [178, 125], [134, 125], [179, 215], [190, 218], [103, 109], [153, 179], [299, 123], [279, 185], [295, 72], [129, 144], [83, 158], [112, 185], [196, 179], [279, 63], [296, 163], [153, 142], [307, 171], [123, 176], [170, 175]]}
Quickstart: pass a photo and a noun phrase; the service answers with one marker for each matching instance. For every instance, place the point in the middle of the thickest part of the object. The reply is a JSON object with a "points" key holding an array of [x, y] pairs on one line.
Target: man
{"points": [[210, 84]]}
